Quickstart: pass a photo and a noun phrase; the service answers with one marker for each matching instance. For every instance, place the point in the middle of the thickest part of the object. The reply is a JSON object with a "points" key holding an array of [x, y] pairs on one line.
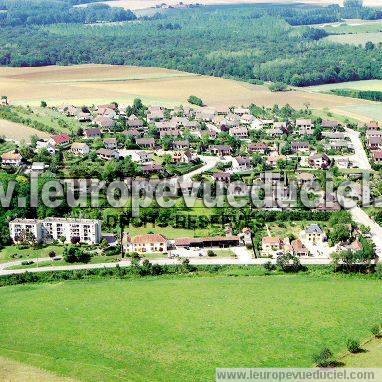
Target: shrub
{"points": [[211, 253], [353, 345], [269, 266], [378, 270], [324, 358], [27, 262], [52, 254], [195, 100], [376, 330]]}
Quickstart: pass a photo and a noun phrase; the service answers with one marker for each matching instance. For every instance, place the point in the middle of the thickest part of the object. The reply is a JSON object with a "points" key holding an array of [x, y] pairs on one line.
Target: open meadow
{"points": [[180, 328]]}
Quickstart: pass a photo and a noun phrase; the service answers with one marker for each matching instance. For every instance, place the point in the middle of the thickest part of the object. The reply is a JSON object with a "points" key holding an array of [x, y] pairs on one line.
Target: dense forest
{"points": [[43, 12], [247, 42]]}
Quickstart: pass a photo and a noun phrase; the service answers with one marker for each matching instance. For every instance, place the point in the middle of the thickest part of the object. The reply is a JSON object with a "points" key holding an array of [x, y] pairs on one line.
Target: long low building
{"points": [[50, 229]]}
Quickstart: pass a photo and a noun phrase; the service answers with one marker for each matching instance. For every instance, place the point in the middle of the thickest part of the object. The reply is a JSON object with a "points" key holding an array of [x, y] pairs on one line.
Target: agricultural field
{"points": [[142, 4], [95, 84], [19, 132], [112, 330], [355, 38]]}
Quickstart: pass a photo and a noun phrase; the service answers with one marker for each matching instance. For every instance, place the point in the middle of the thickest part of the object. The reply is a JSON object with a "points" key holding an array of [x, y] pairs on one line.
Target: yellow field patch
{"points": [[12, 371], [88, 84], [19, 132]]}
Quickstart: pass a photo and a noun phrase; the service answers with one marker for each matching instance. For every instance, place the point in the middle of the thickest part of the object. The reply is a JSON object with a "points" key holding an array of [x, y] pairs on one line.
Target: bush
{"points": [[269, 266], [211, 253], [195, 100], [324, 358], [27, 262], [52, 254], [378, 270], [353, 346], [376, 330]]}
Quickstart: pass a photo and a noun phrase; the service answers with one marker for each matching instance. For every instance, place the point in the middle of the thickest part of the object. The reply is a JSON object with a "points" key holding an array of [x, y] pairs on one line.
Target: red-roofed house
{"points": [[59, 140]]}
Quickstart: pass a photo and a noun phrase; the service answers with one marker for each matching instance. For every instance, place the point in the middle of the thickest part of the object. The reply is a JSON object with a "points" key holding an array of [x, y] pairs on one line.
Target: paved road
{"points": [[360, 157], [362, 217], [242, 260], [209, 163]]}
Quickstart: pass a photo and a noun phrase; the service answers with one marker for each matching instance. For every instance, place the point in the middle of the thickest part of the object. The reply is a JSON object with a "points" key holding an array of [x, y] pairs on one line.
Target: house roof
{"points": [[270, 240], [11, 156], [315, 229], [145, 141], [78, 145], [92, 132], [61, 138], [148, 238]]}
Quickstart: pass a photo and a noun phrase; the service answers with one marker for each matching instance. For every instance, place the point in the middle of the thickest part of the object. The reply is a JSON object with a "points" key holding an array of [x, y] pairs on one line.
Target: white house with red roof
{"points": [[59, 140]]}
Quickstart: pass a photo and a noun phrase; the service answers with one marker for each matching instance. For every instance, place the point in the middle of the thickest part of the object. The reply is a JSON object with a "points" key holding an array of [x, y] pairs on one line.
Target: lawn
{"points": [[182, 328], [12, 253], [172, 233]]}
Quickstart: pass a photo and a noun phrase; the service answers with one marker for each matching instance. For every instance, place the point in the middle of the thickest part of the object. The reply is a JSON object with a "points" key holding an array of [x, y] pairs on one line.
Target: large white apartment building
{"points": [[50, 229]]}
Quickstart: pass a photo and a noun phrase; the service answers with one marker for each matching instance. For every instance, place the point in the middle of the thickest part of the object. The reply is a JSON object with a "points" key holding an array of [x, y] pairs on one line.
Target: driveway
{"points": [[361, 217], [359, 158]]}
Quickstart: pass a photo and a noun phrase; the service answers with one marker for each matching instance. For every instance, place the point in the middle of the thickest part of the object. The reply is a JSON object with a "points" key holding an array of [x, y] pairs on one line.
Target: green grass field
{"points": [[362, 27], [174, 233], [182, 328], [12, 253], [357, 85]]}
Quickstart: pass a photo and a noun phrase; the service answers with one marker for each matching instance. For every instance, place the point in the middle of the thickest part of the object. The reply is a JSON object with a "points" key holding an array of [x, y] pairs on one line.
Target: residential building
{"points": [[79, 148], [11, 159], [321, 161], [220, 150], [92, 133], [149, 243], [110, 143], [240, 132], [301, 147], [304, 126], [107, 154], [60, 140], [50, 229], [314, 234], [146, 143]]}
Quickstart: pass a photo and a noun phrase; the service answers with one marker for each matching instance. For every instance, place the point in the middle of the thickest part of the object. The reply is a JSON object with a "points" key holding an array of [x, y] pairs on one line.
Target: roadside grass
{"points": [[50, 263], [370, 356], [13, 253], [180, 327]]}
